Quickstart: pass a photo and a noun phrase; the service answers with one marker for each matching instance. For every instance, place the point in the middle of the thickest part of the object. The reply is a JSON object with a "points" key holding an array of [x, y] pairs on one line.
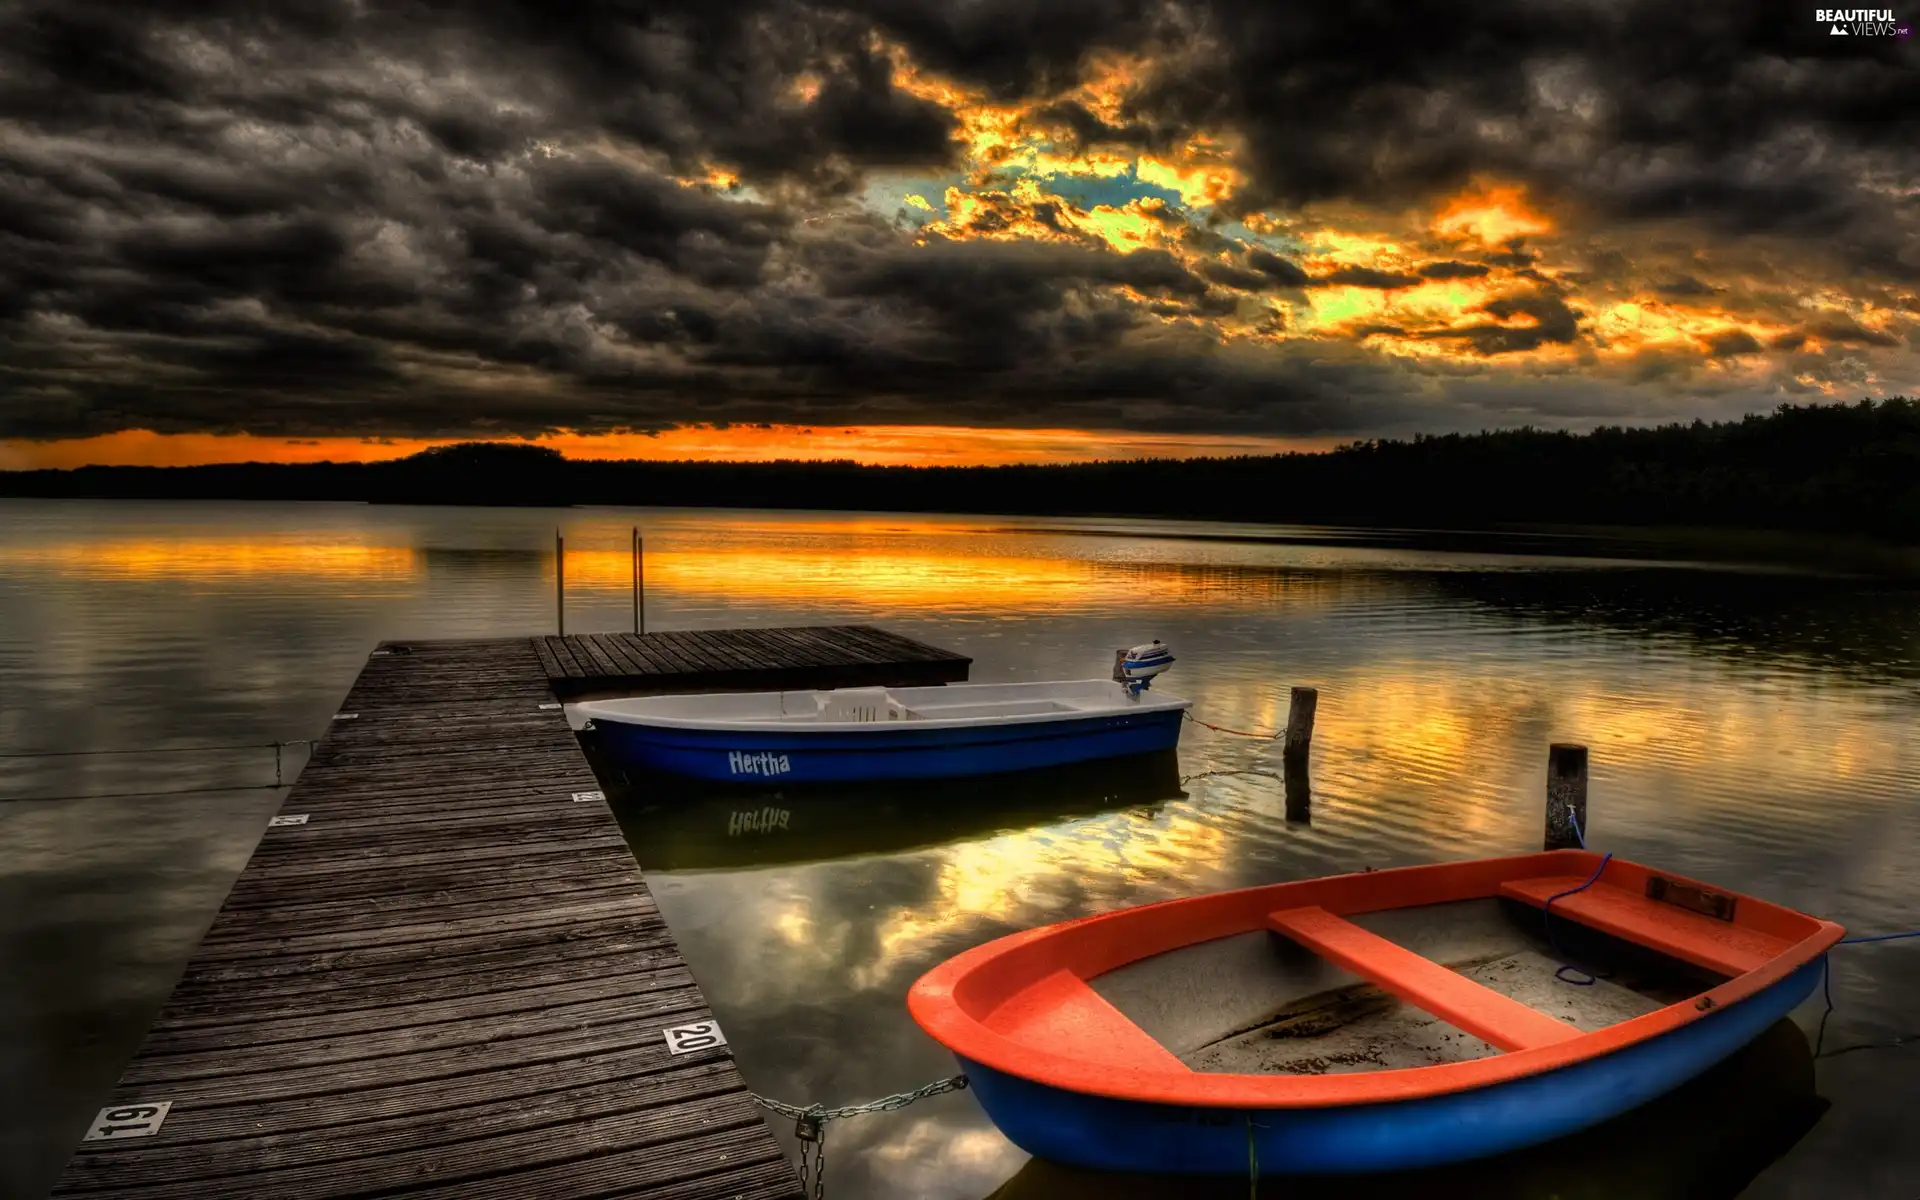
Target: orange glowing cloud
{"points": [[1203, 175], [1635, 324], [1489, 216]]}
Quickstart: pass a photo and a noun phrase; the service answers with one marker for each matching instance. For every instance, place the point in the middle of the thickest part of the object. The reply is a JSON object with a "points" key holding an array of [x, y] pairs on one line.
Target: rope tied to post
{"points": [[1295, 736], [1546, 913], [1265, 737], [810, 1123]]}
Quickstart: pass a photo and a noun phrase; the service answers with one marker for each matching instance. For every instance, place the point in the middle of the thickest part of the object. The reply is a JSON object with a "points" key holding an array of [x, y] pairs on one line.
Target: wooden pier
{"points": [[442, 975], [744, 660]]}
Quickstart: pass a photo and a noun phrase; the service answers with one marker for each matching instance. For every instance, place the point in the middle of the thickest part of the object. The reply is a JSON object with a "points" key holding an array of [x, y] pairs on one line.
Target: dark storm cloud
{"points": [[952, 275], [1367, 277], [691, 233], [1282, 271], [1227, 275], [1746, 117], [1453, 270], [1733, 342], [1685, 285], [292, 259], [458, 216], [1851, 333], [1077, 128], [1019, 48], [1515, 257], [1552, 321]]}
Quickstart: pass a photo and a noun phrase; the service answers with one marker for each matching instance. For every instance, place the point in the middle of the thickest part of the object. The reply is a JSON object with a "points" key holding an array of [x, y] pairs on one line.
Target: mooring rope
{"points": [[1826, 992], [279, 770], [1224, 771], [1546, 913], [810, 1123], [1265, 737], [193, 791], [156, 749], [1826, 960]]}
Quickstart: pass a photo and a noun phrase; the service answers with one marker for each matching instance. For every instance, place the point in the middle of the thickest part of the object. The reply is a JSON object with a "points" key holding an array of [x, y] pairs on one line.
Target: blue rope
{"points": [[1826, 962], [1826, 980], [1546, 915], [1878, 937], [1546, 912], [1579, 835]]}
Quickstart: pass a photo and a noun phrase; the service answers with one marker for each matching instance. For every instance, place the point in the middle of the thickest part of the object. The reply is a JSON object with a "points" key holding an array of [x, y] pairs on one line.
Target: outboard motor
{"points": [[1138, 666]]}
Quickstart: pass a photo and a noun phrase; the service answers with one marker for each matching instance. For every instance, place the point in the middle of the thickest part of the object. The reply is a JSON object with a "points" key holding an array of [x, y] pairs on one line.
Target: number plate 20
{"points": [[701, 1035]]}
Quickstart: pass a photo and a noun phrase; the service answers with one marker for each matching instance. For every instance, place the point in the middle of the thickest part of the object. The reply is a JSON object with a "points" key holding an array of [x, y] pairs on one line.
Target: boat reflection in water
{"points": [[1706, 1140], [677, 824]]}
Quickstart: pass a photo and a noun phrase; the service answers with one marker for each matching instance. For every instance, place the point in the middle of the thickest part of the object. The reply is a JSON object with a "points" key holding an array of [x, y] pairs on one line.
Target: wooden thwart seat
{"points": [[1498, 1020], [1062, 1015], [1704, 941]]}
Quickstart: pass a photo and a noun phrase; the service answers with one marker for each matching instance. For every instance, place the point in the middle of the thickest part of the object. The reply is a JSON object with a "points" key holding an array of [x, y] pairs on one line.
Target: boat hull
{"points": [[1102, 1133], [884, 750]]}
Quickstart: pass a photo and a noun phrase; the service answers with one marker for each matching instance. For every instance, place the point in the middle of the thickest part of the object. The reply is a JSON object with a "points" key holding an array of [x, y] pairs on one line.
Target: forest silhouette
{"points": [[1828, 468]]}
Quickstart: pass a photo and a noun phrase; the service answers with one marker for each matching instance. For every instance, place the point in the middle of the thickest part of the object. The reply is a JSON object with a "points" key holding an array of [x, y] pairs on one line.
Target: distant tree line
{"points": [[1842, 468]]}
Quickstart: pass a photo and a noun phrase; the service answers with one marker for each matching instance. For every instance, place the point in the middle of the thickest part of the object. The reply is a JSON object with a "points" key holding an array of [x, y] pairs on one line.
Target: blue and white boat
{"points": [[876, 733]]}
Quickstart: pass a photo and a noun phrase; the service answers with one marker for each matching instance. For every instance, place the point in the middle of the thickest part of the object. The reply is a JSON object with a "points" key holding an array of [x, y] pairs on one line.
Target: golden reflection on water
{"points": [[927, 580], [936, 581], [1457, 758], [210, 560], [1016, 875], [929, 567], [973, 885]]}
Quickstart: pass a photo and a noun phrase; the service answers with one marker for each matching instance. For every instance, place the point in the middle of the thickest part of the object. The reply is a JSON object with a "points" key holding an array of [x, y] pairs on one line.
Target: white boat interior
{"points": [[950, 706], [1255, 1003]]}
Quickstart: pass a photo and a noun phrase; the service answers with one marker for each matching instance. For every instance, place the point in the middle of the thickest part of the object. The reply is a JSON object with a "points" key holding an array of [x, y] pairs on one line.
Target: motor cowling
{"points": [[1140, 664]]}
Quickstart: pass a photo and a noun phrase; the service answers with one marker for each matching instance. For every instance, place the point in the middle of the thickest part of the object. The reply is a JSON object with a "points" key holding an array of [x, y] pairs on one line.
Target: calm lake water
{"points": [[1756, 728]]}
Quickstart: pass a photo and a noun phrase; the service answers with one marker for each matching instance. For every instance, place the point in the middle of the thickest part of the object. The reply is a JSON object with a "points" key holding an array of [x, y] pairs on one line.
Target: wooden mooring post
{"points": [[1299, 791], [639, 608], [1566, 796], [1300, 710], [560, 582]]}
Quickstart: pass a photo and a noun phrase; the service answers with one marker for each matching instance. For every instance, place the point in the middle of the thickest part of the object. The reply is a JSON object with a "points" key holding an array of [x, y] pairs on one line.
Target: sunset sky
{"points": [[936, 230]]}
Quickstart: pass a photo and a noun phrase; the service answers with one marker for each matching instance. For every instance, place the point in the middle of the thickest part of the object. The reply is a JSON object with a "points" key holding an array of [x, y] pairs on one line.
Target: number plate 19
{"points": [[701, 1035], [128, 1121]]}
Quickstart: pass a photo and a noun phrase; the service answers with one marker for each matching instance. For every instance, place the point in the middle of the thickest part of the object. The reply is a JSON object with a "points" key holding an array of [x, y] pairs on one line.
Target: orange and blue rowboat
{"points": [[1377, 1021]]}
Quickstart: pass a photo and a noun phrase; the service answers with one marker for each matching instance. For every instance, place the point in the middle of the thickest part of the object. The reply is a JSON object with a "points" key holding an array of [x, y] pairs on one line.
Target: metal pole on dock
{"points": [[1566, 796], [1300, 710], [560, 581], [639, 613]]}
